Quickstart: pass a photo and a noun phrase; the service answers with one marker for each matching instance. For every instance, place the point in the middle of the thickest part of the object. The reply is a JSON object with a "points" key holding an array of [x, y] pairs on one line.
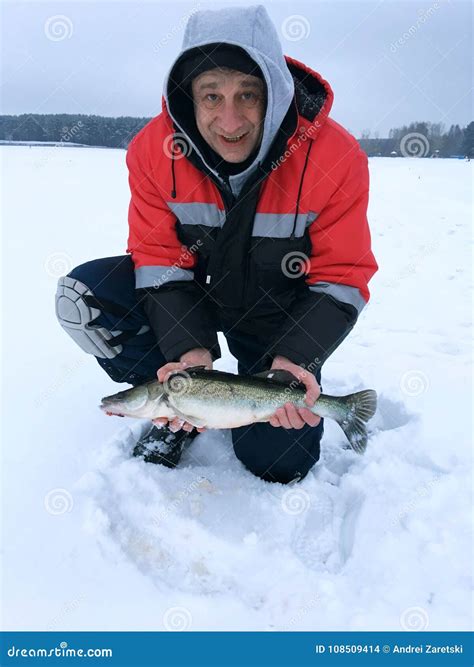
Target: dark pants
{"points": [[274, 454]]}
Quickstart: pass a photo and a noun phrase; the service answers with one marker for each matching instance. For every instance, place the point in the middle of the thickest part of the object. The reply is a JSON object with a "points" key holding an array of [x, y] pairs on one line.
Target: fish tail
{"points": [[360, 407]]}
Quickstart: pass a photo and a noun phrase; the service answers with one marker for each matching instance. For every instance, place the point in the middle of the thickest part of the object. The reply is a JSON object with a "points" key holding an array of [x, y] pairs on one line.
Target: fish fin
{"points": [[278, 375], [199, 423], [361, 407]]}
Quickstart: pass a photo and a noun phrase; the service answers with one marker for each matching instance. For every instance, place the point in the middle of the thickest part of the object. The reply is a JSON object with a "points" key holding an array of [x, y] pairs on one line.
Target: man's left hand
{"points": [[289, 416]]}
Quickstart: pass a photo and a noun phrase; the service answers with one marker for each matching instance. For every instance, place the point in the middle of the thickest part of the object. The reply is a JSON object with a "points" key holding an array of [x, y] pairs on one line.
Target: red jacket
{"points": [[318, 189]]}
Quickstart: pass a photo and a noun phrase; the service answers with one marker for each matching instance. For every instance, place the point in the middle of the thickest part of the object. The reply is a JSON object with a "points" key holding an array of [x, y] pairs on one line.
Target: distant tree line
{"points": [[422, 139], [72, 128]]}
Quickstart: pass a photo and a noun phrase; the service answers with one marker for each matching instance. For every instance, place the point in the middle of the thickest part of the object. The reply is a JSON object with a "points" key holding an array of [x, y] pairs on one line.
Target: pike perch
{"points": [[214, 399]]}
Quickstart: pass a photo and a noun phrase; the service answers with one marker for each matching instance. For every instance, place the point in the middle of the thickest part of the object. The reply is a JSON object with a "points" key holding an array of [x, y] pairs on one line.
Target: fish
{"points": [[219, 400]]}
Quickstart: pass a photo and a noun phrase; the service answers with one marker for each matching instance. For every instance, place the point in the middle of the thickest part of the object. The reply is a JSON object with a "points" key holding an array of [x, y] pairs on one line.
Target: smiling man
{"points": [[229, 108], [247, 216]]}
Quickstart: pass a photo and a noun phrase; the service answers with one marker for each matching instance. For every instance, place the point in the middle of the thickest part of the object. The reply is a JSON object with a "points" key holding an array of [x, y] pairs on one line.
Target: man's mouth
{"points": [[233, 139]]}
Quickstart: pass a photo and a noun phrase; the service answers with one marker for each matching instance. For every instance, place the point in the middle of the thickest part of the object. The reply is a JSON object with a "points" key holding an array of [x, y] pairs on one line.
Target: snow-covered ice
{"points": [[95, 540]]}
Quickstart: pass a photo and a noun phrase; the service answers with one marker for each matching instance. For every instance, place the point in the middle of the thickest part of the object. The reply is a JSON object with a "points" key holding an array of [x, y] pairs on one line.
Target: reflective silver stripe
{"points": [[276, 225], [155, 276], [198, 214], [280, 225], [343, 293]]}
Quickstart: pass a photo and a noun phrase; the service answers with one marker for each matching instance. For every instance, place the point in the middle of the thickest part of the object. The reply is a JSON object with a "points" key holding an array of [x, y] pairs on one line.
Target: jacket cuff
{"points": [[175, 351]]}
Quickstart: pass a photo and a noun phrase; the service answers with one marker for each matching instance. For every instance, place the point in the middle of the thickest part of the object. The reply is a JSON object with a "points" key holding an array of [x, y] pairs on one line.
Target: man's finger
{"points": [[313, 391], [176, 424], [165, 371], [311, 397], [283, 418], [293, 417], [274, 421], [309, 417]]}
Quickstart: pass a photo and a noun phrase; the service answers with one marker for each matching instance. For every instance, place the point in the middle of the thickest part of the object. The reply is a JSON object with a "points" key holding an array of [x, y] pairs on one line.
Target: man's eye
{"points": [[249, 99]]}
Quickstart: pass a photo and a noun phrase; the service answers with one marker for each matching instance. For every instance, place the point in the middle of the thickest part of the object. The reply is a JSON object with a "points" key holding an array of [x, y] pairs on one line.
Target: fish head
{"points": [[133, 402]]}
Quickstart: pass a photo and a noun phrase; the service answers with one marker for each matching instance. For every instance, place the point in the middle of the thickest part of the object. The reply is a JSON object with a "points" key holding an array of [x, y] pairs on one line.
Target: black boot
{"points": [[162, 446]]}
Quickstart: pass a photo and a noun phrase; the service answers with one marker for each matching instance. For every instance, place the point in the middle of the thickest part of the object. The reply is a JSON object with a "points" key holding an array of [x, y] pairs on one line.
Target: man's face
{"points": [[230, 108]]}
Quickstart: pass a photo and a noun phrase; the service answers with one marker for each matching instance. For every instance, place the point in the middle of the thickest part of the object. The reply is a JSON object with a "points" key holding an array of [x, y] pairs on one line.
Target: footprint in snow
{"points": [[316, 540]]}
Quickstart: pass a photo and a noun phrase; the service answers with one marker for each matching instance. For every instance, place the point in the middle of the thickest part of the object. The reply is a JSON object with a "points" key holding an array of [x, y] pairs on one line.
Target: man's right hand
{"points": [[196, 357]]}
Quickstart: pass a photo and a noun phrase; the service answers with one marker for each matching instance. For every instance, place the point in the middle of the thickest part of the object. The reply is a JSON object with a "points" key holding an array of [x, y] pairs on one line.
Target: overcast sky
{"points": [[388, 63]]}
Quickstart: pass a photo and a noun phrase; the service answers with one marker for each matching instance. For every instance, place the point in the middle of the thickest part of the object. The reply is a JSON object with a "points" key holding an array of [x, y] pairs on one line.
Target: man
{"points": [[247, 216]]}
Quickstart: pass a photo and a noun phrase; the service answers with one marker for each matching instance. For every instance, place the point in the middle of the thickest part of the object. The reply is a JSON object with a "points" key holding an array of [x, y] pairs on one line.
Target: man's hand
{"points": [[197, 357], [289, 416]]}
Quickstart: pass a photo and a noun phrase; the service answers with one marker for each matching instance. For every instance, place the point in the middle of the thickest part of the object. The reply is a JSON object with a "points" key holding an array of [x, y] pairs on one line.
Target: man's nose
{"points": [[230, 119]]}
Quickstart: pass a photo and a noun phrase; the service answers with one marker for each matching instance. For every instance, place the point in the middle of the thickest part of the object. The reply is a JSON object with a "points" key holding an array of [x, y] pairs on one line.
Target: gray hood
{"points": [[251, 29]]}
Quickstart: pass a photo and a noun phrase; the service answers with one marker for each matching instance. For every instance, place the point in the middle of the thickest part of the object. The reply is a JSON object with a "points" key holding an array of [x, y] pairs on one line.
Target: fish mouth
{"points": [[109, 409]]}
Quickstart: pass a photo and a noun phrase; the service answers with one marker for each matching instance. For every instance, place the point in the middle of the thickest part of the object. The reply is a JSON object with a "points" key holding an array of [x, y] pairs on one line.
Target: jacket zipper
{"points": [[223, 186]]}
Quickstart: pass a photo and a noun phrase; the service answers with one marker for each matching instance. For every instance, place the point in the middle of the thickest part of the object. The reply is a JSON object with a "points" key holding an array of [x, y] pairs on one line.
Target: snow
{"points": [[96, 540]]}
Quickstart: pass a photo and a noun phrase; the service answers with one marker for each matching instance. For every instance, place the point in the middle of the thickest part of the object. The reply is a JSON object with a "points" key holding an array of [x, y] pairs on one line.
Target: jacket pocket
{"points": [[280, 265]]}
